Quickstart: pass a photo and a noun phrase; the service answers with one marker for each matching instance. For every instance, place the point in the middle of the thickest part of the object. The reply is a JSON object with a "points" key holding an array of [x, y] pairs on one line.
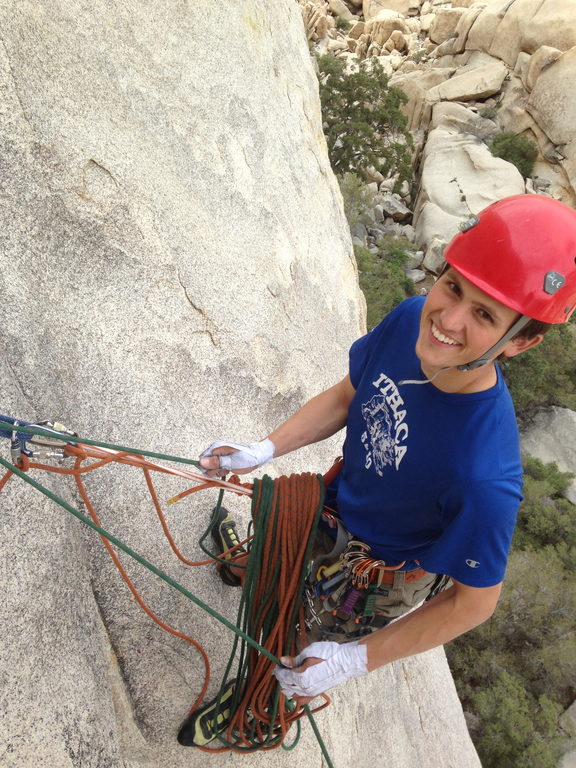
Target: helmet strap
{"points": [[486, 358], [492, 353]]}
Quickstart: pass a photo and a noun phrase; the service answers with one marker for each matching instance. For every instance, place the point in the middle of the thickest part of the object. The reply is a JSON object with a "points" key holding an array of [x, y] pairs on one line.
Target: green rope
{"points": [[239, 633], [75, 440], [265, 616], [142, 560]]}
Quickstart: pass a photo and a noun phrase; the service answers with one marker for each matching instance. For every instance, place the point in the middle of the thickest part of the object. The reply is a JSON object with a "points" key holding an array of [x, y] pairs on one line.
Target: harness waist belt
{"points": [[387, 577]]}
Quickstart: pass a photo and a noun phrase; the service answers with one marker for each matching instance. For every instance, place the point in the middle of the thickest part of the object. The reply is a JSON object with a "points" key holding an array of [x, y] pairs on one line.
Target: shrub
{"points": [[546, 517], [362, 118], [518, 150], [382, 279], [545, 375], [489, 113], [515, 728], [358, 197], [342, 24], [418, 56]]}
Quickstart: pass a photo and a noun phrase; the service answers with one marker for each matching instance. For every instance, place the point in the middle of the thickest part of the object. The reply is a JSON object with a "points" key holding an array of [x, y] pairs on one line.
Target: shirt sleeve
{"points": [[474, 546], [358, 357]]}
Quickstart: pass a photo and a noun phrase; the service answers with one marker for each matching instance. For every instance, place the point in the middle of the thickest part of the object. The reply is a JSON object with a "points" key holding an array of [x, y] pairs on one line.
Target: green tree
{"points": [[362, 117], [516, 672], [512, 726], [545, 375], [518, 150], [357, 196], [546, 517], [382, 278]]}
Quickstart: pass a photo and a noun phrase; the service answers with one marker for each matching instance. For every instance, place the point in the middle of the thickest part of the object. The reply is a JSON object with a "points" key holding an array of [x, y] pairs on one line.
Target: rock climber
{"points": [[431, 478]]}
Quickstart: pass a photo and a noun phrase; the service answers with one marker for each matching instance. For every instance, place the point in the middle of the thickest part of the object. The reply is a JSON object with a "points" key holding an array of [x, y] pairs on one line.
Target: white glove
{"points": [[341, 662], [246, 456]]}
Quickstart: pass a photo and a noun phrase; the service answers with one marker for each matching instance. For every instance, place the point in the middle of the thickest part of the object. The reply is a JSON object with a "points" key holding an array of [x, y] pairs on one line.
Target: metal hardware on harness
{"points": [[370, 603], [326, 571], [365, 570], [309, 595], [325, 587], [344, 612]]}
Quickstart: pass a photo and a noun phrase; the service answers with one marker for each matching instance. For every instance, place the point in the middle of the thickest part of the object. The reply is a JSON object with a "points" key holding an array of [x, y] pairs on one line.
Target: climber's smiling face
{"points": [[459, 323]]}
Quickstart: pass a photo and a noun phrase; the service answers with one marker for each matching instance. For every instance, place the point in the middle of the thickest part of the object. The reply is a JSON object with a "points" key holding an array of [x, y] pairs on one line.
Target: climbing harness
{"points": [[348, 592], [250, 708]]}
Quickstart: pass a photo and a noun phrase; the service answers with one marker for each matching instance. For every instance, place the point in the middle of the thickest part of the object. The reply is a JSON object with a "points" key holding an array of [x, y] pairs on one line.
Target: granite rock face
{"points": [[176, 267], [550, 437]]}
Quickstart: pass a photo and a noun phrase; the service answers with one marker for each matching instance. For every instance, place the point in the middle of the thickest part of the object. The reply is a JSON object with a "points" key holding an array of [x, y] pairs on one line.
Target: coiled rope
{"points": [[285, 513]]}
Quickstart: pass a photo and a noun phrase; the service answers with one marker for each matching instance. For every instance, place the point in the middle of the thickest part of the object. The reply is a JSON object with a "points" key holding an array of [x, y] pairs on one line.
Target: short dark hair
{"points": [[532, 329]]}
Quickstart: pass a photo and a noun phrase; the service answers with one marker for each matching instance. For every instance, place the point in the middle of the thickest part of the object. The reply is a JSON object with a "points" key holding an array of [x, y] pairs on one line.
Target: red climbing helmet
{"points": [[522, 252]]}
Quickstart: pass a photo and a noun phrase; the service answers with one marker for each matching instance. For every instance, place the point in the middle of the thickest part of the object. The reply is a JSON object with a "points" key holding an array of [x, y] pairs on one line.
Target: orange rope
{"points": [[295, 500]]}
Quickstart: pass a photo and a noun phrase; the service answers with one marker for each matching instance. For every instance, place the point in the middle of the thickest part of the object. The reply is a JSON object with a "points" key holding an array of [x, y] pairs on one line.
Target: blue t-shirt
{"points": [[429, 477]]}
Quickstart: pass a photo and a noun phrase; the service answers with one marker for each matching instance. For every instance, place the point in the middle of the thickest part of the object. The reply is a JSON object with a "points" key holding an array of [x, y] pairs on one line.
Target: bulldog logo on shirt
{"points": [[386, 428]]}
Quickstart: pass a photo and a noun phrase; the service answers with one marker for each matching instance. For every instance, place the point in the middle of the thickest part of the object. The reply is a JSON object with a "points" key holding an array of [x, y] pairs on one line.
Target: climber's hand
{"points": [[225, 456], [319, 667]]}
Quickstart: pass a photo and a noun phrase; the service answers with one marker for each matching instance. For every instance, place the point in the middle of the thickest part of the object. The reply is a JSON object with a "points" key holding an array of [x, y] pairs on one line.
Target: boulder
{"points": [[553, 107], [396, 42], [394, 209], [445, 23], [416, 275], [529, 24], [568, 721], [473, 84], [551, 436], [550, 102], [513, 116], [315, 17], [380, 27], [357, 30], [544, 56], [521, 66], [462, 119], [415, 259], [484, 23], [372, 8], [505, 29], [340, 9], [459, 175], [568, 760], [417, 86], [334, 46], [434, 256]]}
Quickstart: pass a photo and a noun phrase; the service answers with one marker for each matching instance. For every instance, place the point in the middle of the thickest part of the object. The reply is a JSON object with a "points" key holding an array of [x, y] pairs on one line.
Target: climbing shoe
{"points": [[206, 723], [225, 537]]}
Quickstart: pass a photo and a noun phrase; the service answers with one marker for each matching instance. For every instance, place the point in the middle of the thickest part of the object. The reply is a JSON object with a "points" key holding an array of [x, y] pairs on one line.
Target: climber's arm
{"points": [[448, 615], [325, 664], [319, 418]]}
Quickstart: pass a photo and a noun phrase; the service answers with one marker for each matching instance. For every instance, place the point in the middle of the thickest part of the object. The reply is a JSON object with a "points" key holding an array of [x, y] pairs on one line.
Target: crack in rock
{"points": [[200, 311]]}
